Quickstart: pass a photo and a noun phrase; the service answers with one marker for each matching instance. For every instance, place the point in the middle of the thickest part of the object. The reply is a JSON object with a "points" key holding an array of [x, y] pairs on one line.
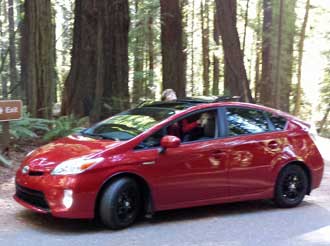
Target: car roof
{"points": [[185, 103], [195, 103]]}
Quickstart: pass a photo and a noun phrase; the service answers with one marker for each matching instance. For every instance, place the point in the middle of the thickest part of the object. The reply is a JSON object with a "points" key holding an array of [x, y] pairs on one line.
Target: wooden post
{"points": [[9, 110]]}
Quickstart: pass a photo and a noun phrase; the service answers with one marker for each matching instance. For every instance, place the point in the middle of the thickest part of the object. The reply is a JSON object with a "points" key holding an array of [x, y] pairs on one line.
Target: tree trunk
{"points": [[278, 81], [139, 42], [246, 20], [99, 63], [37, 57], [192, 45], [277, 61], [151, 55], [287, 61], [184, 16], [12, 51], [172, 47], [235, 69], [266, 85], [258, 52], [3, 54], [229, 80], [300, 59], [216, 60], [205, 46]]}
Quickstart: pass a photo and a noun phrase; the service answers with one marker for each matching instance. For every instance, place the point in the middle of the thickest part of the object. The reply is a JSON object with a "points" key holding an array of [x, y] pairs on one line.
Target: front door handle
{"points": [[148, 162]]}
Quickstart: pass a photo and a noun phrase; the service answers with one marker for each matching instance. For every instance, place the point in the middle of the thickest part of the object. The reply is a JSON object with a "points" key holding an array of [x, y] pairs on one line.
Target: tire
{"points": [[291, 187], [120, 204]]}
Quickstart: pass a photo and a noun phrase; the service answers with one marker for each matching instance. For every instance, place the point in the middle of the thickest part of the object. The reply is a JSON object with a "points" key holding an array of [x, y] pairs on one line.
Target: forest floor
{"points": [[238, 224]]}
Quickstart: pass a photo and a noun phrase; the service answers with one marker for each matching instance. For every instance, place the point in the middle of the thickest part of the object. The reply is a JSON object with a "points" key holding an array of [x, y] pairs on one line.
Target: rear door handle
{"points": [[273, 145], [218, 154]]}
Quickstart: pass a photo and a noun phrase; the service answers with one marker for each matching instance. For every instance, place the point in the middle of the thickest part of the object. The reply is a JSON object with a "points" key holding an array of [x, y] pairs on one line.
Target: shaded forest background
{"points": [[95, 58]]}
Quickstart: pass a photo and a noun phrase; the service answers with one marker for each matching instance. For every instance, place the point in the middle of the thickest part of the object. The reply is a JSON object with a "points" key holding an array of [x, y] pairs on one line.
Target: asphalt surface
{"points": [[246, 223]]}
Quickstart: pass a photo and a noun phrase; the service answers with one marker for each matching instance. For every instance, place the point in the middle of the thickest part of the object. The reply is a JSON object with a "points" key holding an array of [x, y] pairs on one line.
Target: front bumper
{"points": [[45, 193]]}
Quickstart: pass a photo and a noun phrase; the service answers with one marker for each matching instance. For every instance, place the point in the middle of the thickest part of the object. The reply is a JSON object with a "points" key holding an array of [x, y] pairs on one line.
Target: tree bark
{"points": [[258, 52], [99, 63], [192, 45], [172, 47], [300, 59], [278, 81], [12, 52], [139, 42], [216, 60], [239, 85], [151, 55], [246, 20], [266, 84], [3, 53], [37, 57], [205, 46]]}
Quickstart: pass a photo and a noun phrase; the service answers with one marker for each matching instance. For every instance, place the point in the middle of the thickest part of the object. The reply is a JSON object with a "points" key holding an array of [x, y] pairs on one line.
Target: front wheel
{"points": [[120, 204], [291, 187]]}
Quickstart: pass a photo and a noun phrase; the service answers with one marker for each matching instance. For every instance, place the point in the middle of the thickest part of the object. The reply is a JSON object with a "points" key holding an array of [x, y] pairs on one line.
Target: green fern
{"points": [[65, 126], [28, 128]]}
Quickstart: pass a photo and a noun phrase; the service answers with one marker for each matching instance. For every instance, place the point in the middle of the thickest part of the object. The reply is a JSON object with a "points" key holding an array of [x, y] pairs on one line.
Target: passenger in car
{"points": [[169, 95]]}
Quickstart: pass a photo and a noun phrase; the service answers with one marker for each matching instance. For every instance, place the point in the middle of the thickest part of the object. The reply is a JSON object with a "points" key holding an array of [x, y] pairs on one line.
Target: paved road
{"points": [[247, 223]]}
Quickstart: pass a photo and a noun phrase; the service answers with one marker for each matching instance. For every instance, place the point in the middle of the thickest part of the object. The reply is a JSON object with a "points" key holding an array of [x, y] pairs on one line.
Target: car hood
{"points": [[48, 156]]}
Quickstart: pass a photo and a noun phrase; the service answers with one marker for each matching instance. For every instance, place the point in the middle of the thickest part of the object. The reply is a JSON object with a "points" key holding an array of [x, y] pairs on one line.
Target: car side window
{"points": [[278, 122], [152, 141], [246, 121], [198, 126]]}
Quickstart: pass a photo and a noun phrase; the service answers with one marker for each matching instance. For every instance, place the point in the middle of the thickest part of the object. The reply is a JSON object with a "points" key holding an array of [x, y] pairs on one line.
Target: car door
{"points": [[250, 147], [193, 173]]}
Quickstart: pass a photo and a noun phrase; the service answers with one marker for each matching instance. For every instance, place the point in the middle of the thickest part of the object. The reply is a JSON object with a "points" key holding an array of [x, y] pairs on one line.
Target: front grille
{"points": [[32, 197], [36, 173]]}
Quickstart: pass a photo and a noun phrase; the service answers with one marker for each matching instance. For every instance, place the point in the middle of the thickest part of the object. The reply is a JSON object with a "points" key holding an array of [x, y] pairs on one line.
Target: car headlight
{"points": [[75, 166]]}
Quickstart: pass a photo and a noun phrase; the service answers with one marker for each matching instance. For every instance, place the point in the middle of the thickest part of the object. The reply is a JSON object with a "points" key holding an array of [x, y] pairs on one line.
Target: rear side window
{"points": [[278, 122], [246, 121]]}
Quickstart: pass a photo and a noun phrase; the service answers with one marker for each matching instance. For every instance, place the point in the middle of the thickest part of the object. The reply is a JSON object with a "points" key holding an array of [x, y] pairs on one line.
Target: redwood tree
{"points": [[172, 47], [97, 84], [238, 84], [12, 51], [38, 57], [205, 46], [266, 83]]}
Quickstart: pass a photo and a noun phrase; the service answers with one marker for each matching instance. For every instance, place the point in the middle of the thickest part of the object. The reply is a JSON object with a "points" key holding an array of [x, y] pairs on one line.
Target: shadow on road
{"points": [[257, 211]]}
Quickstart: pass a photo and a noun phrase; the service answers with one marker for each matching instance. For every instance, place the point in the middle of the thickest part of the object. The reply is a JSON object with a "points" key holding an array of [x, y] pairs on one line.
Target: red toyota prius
{"points": [[172, 155]]}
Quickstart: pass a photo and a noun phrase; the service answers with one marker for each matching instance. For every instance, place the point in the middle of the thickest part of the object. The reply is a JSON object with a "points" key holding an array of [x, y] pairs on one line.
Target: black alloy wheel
{"points": [[120, 204], [291, 186]]}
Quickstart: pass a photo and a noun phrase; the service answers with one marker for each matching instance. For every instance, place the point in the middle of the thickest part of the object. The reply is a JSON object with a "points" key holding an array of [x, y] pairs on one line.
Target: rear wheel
{"points": [[291, 187], [120, 204]]}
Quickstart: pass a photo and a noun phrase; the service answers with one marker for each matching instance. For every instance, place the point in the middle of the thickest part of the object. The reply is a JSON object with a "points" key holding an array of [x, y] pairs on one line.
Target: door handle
{"points": [[218, 154], [148, 162], [273, 145]]}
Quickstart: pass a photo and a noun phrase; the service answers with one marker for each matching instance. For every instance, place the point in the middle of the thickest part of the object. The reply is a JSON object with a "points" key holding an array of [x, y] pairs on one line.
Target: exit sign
{"points": [[10, 110]]}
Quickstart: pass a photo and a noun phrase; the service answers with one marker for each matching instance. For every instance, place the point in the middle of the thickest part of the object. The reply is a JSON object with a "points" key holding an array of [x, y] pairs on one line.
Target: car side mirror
{"points": [[170, 142]]}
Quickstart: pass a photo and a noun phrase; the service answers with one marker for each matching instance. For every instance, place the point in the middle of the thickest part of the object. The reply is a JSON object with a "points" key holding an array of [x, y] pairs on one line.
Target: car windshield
{"points": [[129, 124]]}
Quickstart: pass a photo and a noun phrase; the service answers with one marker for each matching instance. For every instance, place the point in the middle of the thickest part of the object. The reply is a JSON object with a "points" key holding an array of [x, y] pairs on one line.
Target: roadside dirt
{"points": [[17, 153]]}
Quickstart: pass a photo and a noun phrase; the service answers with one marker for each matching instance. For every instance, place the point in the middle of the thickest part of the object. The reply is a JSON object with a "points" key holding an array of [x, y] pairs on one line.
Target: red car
{"points": [[172, 155]]}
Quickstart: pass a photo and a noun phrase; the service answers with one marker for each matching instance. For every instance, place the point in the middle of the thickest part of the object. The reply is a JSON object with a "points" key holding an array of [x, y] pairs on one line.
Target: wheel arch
{"points": [[142, 183]]}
